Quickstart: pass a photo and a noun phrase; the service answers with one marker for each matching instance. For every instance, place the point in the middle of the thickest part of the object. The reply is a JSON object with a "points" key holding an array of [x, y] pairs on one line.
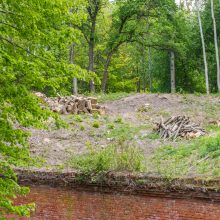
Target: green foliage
{"points": [[132, 40], [200, 157], [34, 35], [105, 97], [153, 136], [124, 132], [95, 115], [82, 128], [78, 118], [110, 126], [113, 158], [96, 124], [119, 120]]}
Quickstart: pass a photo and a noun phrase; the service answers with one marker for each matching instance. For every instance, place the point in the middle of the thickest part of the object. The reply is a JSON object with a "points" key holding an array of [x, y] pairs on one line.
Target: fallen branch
{"points": [[179, 126]]}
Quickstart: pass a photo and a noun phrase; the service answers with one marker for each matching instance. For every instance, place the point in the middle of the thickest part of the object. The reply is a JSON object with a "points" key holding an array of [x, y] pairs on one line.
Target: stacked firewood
{"points": [[72, 104], [179, 126]]}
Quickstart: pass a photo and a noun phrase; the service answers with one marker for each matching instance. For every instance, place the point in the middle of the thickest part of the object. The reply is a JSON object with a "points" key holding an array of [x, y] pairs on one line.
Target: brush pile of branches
{"points": [[179, 126]]}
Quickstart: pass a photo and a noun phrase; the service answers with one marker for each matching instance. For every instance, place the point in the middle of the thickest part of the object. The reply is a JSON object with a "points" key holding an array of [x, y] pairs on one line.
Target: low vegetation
{"points": [[62, 47], [120, 157], [198, 157], [105, 97]]}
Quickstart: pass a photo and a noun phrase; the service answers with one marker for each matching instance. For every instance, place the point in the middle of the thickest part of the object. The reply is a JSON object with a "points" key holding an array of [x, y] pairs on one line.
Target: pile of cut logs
{"points": [[179, 126], [72, 104]]}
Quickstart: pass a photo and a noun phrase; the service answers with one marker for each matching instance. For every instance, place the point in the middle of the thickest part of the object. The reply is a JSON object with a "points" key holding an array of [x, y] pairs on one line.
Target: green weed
{"points": [[112, 158], [119, 120], [78, 118], [82, 128], [110, 126], [153, 136], [202, 156], [112, 96], [96, 124]]}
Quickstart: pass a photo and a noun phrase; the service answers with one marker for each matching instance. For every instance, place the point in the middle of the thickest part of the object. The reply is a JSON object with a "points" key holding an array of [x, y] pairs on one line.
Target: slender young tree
{"points": [[149, 68], [172, 72], [216, 45], [94, 7], [203, 48], [74, 85]]}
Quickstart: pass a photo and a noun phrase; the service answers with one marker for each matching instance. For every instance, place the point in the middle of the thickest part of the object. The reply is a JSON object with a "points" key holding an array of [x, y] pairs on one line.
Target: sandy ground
{"points": [[58, 145]]}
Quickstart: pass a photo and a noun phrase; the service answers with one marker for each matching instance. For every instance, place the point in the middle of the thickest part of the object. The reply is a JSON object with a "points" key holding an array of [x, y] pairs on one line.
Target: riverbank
{"points": [[126, 183], [121, 152], [128, 127]]}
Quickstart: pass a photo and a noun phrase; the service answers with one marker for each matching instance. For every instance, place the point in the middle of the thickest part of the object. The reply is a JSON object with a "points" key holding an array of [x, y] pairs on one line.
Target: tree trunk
{"points": [[107, 63], [172, 72], [105, 75], [216, 45], [149, 69], [139, 81], [91, 53], [203, 49], [91, 65], [74, 85]]}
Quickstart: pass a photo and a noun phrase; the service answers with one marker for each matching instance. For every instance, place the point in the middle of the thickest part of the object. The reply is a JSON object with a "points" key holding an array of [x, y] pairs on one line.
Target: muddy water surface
{"points": [[64, 204]]}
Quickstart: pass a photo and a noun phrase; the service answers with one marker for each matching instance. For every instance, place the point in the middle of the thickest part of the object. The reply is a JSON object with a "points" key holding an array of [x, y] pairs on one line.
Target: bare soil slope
{"points": [[130, 120]]}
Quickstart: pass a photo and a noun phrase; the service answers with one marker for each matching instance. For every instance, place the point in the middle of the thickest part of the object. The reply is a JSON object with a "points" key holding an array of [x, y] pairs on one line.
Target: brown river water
{"points": [[64, 204]]}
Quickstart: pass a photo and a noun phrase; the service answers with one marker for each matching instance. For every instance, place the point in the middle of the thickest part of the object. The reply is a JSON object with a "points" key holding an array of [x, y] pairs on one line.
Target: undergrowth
{"points": [[201, 157], [104, 97], [119, 157]]}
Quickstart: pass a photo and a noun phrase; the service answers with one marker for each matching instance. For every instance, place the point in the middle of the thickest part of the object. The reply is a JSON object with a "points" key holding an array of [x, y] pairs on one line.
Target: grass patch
{"points": [[77, 118], [212, 128], [110, 126], [112, 96], [153, 136], [119, 157], [202, 156], [96, 124], [124, 132], [118, 120]]}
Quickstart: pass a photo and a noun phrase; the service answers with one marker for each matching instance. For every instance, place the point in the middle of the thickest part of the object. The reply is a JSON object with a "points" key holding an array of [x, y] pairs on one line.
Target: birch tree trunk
{"points": [[172, 72], [203, 49], [91, 52], [216, 45], [74, 85], [91, 65]]}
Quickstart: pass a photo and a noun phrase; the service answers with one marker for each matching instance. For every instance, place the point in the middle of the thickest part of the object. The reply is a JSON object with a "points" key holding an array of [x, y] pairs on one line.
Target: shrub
{"points": [[78, 118], [119, 120], [112, 158], [96, 124], [111, 126]]}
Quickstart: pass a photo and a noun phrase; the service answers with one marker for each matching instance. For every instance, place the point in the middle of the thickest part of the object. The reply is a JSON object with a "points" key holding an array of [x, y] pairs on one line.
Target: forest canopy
{"points": [[81, 46]]}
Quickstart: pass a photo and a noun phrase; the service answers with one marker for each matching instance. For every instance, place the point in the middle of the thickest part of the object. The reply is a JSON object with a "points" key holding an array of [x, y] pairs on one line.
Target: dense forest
{"points": [[90, 46]]}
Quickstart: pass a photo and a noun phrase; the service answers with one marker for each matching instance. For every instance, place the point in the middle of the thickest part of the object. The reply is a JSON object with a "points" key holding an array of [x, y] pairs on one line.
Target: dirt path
{"points": [[125, 118]]}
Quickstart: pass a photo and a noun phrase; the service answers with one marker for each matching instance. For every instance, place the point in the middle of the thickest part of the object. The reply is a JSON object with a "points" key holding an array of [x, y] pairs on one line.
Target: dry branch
{"points": [[179, 126]]}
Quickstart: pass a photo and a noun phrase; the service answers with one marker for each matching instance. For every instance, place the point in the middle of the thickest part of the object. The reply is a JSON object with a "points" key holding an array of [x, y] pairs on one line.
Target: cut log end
{"points": [[72, 104]]}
